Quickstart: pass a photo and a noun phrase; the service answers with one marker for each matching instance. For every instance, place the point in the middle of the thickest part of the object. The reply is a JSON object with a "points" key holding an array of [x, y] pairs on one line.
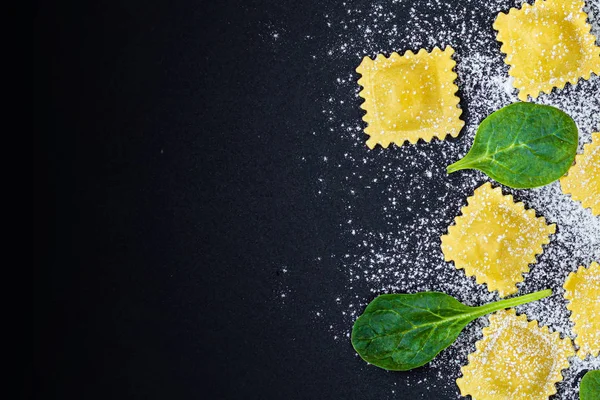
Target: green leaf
{"points": [[589, 388], [523, 145], [399, 332]]}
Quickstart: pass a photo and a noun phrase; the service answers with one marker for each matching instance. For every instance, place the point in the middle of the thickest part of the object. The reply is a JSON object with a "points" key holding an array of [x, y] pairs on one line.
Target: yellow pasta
{"points": [[495, 239], [515, 360], [582, 290], [583, 179], [547, 44], [409, 97]]}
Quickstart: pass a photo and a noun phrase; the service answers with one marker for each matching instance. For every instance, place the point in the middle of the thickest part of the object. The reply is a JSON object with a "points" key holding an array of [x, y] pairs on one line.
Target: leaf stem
{"points": [[512, 302], [463, 163]]}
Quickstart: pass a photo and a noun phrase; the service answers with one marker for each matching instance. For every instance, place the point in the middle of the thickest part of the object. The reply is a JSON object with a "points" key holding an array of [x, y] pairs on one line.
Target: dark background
{"points": [[169, 194]]}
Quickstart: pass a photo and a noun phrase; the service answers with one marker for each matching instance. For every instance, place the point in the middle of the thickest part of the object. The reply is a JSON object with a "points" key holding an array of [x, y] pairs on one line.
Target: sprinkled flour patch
{"points": [[397, 203]]}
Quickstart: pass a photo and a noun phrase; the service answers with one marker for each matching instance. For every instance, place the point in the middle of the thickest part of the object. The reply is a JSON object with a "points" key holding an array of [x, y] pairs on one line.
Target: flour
{"points": [[379, 188]]}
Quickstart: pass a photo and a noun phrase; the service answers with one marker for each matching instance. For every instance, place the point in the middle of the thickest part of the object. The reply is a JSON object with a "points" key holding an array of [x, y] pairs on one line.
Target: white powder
{"points": [[394, 217]]}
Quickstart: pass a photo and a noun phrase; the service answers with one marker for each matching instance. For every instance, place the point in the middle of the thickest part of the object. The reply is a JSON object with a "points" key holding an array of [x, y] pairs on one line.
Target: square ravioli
{"points": [[409, 97], [515, 360], [547, 44], [582, 181], [582, 290], [495, 239]]}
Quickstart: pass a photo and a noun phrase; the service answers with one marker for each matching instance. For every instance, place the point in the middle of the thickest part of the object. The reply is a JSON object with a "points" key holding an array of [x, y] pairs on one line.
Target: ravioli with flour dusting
{"points": [[582, 290], [547, 44], [516, 360], [409, 97], [495, 239], [582, 181]]}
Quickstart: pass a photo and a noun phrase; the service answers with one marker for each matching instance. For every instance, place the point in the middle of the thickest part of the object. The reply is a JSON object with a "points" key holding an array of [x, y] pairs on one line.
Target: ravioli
{"points": [[495, 239], [547, 44], [409, 97], [516, 360], [582, 181], [582, 290]]}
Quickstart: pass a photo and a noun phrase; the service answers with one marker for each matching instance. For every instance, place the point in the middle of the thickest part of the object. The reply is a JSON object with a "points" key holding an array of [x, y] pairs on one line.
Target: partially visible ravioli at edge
{"points": [[582, 181], [582, 290]]}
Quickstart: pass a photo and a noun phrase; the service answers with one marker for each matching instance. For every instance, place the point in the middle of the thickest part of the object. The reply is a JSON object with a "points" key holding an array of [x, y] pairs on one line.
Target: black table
{"points": [[182, 248]]}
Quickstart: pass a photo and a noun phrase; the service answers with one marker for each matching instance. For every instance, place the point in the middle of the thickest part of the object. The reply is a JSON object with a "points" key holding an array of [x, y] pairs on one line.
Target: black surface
{"points": [[169, 194]]}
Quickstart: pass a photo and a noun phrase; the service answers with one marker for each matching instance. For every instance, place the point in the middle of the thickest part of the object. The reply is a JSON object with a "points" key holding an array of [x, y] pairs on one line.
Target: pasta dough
{"points": [[409, 97], [495, 239], [515, 360], [547, 44], [582, 289], [583, 179]]}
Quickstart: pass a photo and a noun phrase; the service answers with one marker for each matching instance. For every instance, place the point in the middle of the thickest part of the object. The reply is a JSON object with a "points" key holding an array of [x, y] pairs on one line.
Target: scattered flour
{"points": [[393, 217]]}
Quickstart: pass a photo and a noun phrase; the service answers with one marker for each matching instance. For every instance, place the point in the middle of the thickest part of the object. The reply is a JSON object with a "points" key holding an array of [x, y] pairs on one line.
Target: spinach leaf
{"points": [[589, 388], [523, 145], [399, 332]]}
